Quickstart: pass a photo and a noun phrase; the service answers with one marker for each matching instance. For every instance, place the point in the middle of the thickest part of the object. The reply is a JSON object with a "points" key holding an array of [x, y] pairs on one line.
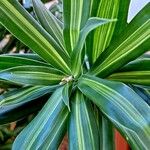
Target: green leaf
{"points": [[20, 23], [8, 61], [66, 95], [72, 14], [76, 57], [49, 22], [17, 104], [7, 84], [83, 132], [24, 94], [102, 35], [131, 43], [31, 56], [49, 124], [143, 93], [106, 135], [122, 18], [122, 106], [136, 72], [32, 75]]}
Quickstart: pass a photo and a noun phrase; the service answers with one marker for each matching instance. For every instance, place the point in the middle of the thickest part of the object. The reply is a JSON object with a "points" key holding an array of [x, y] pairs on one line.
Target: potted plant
{"points": [[86, 78]]}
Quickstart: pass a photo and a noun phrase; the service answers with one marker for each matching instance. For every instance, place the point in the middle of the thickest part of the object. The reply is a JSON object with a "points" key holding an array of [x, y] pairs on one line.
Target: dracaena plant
{"points": [[88, 75]]}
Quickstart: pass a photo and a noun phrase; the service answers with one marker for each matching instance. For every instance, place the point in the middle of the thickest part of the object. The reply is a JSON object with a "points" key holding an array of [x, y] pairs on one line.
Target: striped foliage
{"points": [[69, 77], [119, 103], [9, 61], [82, 125], [49, 22], [136, 72], [133, 42], [49, 124], [77, 53], [102, 35], [18, 21], [106, 130], [32, 75], [19, 103], [72, 14]]}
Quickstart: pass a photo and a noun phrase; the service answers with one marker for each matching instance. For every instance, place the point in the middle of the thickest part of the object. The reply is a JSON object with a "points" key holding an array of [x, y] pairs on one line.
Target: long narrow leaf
{"points": [[83, 132], [102, 35], [136, 72], [76, 57], [32, 75], [7, 61], [49, 22], [72, 13], [48, 128], [22, 25], [17, 104], [24, 94], [106, 135], [132, 42], [66, 94], [122, 106], [122, 18]]}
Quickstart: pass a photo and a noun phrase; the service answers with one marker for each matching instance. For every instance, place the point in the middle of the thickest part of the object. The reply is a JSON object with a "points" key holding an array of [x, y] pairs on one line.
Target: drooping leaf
{"points": [[76, 57], [32, 75], [24, 94], [83, 132], [131, 43], [17, 104], [49, 22], [136, 72], [122, 106], [8, 61], [48, 128], [26, 55], [20, 23]]}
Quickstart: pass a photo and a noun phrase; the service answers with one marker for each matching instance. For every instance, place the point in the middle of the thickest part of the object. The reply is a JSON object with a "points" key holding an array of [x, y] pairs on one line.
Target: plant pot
{"points": [[120, 142]]}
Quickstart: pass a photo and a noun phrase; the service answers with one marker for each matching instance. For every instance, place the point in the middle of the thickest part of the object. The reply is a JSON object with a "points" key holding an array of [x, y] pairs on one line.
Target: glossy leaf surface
{"points": [[122, 106]]}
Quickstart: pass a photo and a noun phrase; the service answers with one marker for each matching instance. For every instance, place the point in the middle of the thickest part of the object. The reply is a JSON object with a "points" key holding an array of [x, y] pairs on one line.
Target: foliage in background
{"points": [[88, 75]]}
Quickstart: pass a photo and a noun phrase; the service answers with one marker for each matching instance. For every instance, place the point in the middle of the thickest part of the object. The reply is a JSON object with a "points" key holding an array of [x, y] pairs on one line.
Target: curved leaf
{"points": [[26, 29], [17, 104], [131, 43], [31, 56], [24, 95], [122, 106], [48, 128], [136, 72], [76, 57], [32, 75], [8, 61], [83, 131]]}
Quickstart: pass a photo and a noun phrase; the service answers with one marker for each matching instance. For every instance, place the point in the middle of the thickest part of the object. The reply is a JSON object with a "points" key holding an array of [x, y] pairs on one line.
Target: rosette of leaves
{"points": [[87, 68]]}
